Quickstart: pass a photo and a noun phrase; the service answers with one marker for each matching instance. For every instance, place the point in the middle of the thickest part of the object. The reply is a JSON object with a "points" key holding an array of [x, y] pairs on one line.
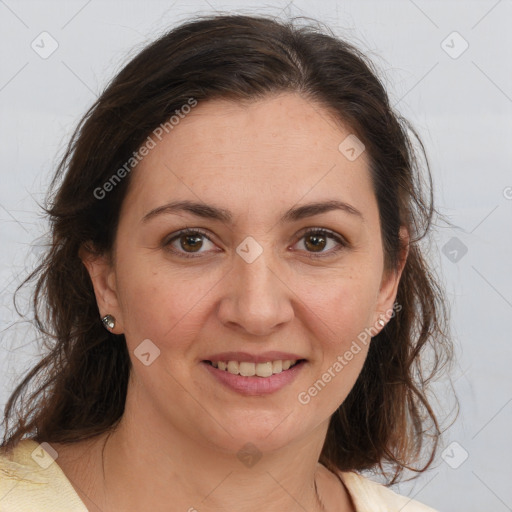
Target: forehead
{"points": [[278, 148], [285, 123]]}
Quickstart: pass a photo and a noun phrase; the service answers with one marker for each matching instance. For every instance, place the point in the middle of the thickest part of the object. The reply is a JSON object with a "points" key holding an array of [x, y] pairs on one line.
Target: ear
{"points": [[103, 277], [389, 284]]}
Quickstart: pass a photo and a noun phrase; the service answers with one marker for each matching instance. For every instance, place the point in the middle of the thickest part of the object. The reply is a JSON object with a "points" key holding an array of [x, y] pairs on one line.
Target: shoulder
{"points": [[370, 496], [30, 480]]}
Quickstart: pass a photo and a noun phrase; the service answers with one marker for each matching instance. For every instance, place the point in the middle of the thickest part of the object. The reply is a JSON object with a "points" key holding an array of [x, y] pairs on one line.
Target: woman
{"points": [[236, 298]]}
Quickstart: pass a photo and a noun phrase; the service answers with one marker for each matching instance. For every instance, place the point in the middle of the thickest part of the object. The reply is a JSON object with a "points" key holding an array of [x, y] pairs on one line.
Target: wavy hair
{"points": [[78, 389]]}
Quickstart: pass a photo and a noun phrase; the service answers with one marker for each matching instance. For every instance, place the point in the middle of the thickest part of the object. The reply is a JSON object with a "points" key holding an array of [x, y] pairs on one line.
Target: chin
{"points": [[262, 435]]}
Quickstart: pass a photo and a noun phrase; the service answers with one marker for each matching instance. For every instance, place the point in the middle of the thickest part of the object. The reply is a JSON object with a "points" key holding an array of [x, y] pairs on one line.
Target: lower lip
{"points": [[255, 385]]}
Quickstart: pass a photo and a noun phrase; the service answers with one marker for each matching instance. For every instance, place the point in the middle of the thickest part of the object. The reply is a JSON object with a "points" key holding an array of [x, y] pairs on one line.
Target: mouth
{"points": [[251, 378], [250, 369]]}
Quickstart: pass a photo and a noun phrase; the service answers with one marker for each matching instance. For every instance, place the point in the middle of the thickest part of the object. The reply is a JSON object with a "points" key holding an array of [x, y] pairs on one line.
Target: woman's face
{"points": [[258, 282]]}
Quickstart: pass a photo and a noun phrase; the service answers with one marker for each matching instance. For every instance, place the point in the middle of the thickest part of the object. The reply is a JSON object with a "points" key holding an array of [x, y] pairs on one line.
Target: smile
{"points": [[256, 380], [250, 369]]}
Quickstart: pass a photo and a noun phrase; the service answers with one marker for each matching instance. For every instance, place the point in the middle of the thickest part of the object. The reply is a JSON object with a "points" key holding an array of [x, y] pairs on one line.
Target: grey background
{"points": [[460, 104]]}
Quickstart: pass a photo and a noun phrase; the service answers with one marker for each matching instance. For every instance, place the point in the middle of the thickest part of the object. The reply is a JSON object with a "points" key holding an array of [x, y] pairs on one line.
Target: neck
{"points": [[150, 463]]}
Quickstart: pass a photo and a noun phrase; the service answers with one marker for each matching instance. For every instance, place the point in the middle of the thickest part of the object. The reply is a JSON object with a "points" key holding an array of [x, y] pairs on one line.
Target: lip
{"points": [[255, 385], [252, 358]]}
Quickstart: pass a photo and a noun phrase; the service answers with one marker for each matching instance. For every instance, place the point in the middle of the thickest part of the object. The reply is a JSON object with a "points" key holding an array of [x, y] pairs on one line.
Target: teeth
{"points": [[247, 369], [264, 369], [233, 367], [277, 366]]}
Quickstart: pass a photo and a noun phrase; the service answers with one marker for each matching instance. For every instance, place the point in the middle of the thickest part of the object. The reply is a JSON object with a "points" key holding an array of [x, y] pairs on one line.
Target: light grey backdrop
{"points": [[448, 68]]}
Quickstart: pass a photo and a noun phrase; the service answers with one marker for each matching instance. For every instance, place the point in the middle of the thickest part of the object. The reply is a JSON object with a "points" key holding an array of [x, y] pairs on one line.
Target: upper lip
{"points": [[253, 358]]}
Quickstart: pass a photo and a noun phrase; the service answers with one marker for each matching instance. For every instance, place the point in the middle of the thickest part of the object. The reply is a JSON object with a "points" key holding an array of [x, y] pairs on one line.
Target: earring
{"points": [[109, 321], [381, 322]]}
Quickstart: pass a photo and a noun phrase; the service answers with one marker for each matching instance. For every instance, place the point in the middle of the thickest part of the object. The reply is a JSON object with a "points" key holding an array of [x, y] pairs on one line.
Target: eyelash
{"points": [[310, 231]]}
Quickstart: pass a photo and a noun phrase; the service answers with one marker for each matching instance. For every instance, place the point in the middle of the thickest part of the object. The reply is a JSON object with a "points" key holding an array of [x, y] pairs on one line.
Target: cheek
{"points": [[161, 304], [338, 319], [344, 303], [340, 314]]}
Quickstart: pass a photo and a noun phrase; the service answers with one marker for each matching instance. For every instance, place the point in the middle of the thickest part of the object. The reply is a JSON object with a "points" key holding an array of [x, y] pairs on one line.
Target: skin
{"points": [[181, 431]]}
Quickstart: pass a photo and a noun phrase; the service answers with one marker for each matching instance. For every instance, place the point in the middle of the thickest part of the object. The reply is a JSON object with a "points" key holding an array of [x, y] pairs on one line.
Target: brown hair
{"points": [[81, 383]]}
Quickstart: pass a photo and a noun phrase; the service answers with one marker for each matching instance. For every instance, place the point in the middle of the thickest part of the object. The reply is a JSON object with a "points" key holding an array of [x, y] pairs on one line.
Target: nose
{"points": [[256, 300]]}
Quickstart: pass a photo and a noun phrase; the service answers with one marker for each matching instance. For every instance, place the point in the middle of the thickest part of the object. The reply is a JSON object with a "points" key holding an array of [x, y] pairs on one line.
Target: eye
{"points": [[316, 240], [187, 242]]}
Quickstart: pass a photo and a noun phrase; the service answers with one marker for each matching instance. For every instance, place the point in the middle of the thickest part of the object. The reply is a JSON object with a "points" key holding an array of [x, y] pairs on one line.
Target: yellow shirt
{"points": [[30, 481]]}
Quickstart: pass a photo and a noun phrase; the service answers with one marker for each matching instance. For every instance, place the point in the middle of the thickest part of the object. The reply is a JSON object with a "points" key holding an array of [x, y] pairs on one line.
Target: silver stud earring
{"points": [[109, 321], [381, 322]]}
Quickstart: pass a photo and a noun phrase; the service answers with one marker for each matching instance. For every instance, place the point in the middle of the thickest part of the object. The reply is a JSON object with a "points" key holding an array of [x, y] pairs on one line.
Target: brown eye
{"points": [[187, 242], [191, 243], [317, 241]]}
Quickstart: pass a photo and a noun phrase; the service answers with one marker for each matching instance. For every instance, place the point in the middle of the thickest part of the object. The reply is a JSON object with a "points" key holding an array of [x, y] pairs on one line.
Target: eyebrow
{"points": [[214, 213]]}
